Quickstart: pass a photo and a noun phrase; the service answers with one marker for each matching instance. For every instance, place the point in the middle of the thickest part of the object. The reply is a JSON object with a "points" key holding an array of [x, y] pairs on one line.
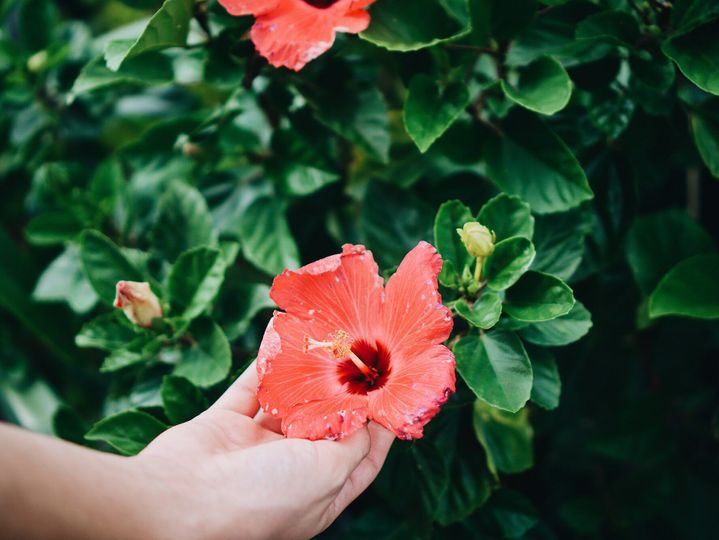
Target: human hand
{"points": [[229, 473]]}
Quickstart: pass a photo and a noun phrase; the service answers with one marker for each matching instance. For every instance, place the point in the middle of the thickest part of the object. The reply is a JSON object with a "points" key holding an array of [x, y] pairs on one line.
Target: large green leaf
{"points": [[452, 215], [194, 281], [207, 360], [507, 215], [485, 311], [65, 281], [108, 331], [267, 241], [613, 26], [690, 289], [560, 331], [511, 259], [505, 436], [538, 297], [697, 55], [496, 367], [543, 86], [706, 137], [242, 301], [414, 479], [359, 114], [181, 399], [128, 432], [104, 264], [546, 387], [657, 242], [168, 27], [430, 109], [559, 241], [393, 222], [183, 221], [145, 70], [407, 26], [529, 160]]}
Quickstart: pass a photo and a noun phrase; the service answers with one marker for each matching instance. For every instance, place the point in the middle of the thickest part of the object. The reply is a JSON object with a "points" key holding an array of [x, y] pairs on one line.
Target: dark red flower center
{"points": [[322, 4], [375, 356]]}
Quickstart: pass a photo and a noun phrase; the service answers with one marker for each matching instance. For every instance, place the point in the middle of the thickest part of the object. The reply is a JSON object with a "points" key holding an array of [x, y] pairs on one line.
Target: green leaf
{"points": [[181, 399], [538, 297], [470, 483], [208, 359], [108, 331], [105, 265], [267, 241], [529, 160], [690, 289], [559, 241], [142, 348], [506, 437], [194, 281], [452, 215], [496, 367], [407, 26], [514, 513], [146, 70], [546, 387], [168, 27], [706, 137], [507, 215], [301, 180], [183, 221], [657, 242], [430, 109], [543, 86], [64, 281], [511, 259], [53, 228], [696, 53], [612, 26], [484, 313], [245, 300], [560, 331], [393, 222], [413, 478], [359, 115], [128, 432]]}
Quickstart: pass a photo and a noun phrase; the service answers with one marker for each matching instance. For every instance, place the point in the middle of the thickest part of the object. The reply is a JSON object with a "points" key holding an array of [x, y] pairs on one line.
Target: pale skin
{"points": [[226, 474]]}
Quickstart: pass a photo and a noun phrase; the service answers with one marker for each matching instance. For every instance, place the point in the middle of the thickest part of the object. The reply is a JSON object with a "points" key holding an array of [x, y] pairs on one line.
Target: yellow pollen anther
{"points": [[339, 345]]}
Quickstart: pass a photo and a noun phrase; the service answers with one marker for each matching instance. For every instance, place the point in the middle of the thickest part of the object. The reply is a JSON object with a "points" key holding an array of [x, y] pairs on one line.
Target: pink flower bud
{"points": [[138, 302]]}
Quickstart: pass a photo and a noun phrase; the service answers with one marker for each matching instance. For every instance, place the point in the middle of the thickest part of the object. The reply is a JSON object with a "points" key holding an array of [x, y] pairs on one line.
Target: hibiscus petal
{"points": [[342, 292], [248, 7], [413, 313], [287, 374], [332, 418], [295, 32], [413, 394], [354, 22]]}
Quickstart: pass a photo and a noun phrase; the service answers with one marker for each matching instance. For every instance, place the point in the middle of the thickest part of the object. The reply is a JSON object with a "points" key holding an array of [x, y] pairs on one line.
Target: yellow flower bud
{"points": [[478, 239], [138, 302]]}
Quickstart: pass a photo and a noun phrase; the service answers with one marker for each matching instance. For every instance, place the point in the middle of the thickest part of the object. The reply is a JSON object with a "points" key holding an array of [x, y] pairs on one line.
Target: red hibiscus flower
{"points": [[347, 349], [290, 33]]}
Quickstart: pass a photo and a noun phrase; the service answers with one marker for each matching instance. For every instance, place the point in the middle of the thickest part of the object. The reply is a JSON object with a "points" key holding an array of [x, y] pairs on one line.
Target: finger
{"points": [[268, 421], [343, 456], [381, 441], [241, 396]]}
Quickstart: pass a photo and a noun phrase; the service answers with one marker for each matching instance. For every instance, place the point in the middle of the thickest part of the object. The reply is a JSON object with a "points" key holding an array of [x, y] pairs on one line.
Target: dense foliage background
{"points": [[166, 150]]}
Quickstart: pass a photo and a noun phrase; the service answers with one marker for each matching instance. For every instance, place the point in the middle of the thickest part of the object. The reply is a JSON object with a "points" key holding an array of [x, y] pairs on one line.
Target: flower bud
{"points": [[478, 239], [138, 302]]}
